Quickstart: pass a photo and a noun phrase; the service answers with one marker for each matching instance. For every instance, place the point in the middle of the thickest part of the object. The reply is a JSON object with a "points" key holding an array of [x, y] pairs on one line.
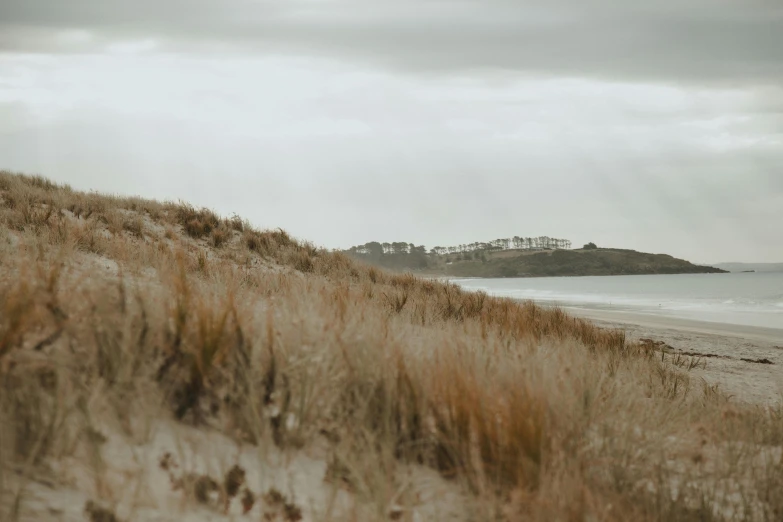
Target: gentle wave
{"points": [[745, 301]]}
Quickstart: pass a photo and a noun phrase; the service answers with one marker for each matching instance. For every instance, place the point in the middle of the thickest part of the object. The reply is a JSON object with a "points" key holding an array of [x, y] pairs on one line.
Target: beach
{"points": [[745, 361], [733, 322]]}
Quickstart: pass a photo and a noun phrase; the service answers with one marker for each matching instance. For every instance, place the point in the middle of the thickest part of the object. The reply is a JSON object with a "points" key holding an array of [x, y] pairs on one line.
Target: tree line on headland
{"points": [[376, 249], [520, 257]]}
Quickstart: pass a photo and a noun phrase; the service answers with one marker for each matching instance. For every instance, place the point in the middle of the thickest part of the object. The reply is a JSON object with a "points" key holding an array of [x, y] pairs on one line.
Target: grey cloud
{"points": [[675, 41], [690, 203], [450, 157]]}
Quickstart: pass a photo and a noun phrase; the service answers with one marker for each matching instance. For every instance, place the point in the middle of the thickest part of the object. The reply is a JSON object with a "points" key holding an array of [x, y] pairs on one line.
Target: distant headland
{"points": [[522, 257]]}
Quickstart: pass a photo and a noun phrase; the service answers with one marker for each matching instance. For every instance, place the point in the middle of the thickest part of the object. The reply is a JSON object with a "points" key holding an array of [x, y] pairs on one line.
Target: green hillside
{"points": [[603, 261], [525, 263]]}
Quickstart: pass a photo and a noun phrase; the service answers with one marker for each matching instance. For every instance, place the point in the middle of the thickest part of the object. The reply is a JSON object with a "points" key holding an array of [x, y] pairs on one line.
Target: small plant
{"points": [[220, 237], [135, 226], [43, 183], [199, 487], [197, 223], [396, 301], [97, 513], [253, 241], [202, 262], [266, 243], [206, 490], [337, 472], [686, 362], [278, 507], [301, 260], [236, 223], [248, 501]]}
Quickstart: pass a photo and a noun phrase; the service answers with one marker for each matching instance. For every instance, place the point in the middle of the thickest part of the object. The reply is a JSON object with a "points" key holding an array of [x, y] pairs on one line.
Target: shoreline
{"points": [[715, 307], [450, 277], [745, 361], [654, 321]]}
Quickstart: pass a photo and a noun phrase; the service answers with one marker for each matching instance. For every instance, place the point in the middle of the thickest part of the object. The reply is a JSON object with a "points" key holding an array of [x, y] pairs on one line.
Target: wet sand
{"points": [[722, 346]]}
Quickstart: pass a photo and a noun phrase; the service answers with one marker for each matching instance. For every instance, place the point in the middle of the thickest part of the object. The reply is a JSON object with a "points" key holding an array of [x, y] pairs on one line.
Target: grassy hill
{"points": [[161, 362], [525, 263], [596, 262]]}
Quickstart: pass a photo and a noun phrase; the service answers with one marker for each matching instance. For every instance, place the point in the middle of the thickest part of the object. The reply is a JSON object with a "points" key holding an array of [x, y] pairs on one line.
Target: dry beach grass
{"points": [[149, 351]]}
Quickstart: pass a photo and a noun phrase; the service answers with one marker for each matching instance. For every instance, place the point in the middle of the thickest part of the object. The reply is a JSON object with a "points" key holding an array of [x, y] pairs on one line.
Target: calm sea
{"points": [[752, 299]]}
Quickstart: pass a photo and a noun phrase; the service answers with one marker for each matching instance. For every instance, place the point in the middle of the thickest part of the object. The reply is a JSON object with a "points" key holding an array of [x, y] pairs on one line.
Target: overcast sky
{"points": [[656, 126]]}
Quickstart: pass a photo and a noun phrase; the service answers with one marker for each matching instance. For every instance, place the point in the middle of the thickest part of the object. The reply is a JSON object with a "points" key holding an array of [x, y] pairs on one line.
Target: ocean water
{"points": [[752, 299]]}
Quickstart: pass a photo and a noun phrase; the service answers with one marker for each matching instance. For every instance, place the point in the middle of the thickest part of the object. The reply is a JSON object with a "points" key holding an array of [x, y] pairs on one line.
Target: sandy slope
{"points": [[135, 486]]}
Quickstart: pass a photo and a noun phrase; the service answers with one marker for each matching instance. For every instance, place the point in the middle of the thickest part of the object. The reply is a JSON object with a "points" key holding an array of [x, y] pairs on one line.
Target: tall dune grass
{"points": [[119, 309]]}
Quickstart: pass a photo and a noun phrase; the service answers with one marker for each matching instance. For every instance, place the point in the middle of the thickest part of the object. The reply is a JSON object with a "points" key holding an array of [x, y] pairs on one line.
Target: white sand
{"points": [[135, 487]]}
